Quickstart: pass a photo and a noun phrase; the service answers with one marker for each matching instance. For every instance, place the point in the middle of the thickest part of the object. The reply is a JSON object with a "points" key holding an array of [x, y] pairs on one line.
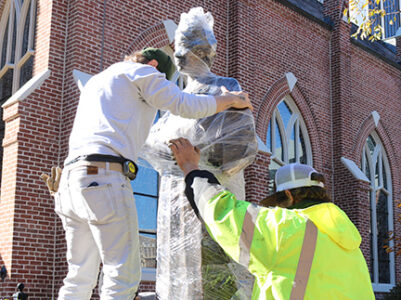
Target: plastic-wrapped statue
{"points": [[190, 265]]}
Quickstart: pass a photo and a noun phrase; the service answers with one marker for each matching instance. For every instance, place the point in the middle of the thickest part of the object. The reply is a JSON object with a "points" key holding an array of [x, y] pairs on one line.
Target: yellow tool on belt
{"points": [[130, 169]]}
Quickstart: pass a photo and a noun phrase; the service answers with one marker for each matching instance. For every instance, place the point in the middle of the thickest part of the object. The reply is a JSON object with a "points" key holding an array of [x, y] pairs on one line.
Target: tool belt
{"points": [[115, 163]]}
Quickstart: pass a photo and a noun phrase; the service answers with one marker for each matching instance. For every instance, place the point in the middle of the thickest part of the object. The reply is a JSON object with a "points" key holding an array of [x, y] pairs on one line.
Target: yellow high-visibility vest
{"points": [[268, 241]]}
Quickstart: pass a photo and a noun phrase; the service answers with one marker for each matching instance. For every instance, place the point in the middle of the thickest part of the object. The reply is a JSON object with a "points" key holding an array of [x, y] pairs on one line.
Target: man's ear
{"points": [[153, 63]]}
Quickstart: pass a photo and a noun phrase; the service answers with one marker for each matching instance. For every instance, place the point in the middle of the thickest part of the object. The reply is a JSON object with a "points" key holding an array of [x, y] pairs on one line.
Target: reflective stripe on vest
{"points": [[305, 262], [246, 237]]}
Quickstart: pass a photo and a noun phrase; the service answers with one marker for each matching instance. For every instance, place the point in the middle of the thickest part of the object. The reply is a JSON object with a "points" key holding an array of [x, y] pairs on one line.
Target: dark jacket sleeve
{"points": [[189, 179]]}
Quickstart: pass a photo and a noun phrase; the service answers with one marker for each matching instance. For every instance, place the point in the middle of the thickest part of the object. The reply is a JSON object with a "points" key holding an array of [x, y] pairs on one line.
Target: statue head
{"points": [[195, 43]]}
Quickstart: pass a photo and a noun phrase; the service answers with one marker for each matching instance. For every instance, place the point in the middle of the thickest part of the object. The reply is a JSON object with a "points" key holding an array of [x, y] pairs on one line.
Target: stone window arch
{"points": [[375, 165], [281, 122]]}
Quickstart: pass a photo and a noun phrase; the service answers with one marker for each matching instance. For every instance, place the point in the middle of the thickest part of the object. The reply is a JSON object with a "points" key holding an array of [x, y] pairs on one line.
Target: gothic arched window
{"points": [[17, 36], [287, 138], [376, 168]]}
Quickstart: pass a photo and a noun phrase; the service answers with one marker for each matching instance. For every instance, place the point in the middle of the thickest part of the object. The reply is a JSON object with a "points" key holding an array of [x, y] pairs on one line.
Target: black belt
{"points": [[130, 169], [97, 157]]}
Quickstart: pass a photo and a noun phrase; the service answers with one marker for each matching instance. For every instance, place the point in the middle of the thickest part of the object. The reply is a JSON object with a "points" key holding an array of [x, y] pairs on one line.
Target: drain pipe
{"points": [[331, 112], [102, 42]]}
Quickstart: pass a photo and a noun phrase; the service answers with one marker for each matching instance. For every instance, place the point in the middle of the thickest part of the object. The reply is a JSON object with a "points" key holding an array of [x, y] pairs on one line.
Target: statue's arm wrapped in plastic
{"points": [[227, 141]]}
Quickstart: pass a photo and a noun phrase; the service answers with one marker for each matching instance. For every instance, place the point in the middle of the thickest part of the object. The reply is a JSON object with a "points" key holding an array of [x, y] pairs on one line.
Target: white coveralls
{"points": [[115, 112]]}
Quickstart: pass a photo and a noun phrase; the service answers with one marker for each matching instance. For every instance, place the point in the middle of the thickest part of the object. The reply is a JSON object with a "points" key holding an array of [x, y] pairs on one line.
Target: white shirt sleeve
{"points": [[160, 93]]}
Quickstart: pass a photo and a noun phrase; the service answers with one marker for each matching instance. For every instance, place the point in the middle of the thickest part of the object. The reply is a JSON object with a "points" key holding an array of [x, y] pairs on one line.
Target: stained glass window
{"points": [[287, 138], [26, 71], [14, 36], [376, 168], [6, 83], [25, 38], [17, 41], [4, 47]]}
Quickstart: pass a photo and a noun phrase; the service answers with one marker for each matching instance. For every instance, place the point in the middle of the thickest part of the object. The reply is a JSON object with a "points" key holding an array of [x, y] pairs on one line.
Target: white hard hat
{"points": [[295, 175]]}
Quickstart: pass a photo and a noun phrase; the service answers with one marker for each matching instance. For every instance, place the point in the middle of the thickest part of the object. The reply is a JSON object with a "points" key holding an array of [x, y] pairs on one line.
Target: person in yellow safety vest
{"points": [[304, 248]]}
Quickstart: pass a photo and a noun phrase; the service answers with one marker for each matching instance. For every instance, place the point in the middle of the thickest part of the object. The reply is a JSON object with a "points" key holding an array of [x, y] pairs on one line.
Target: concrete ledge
{"points": [[147, 296], [33, 84], [81, 78], [353, 168]]}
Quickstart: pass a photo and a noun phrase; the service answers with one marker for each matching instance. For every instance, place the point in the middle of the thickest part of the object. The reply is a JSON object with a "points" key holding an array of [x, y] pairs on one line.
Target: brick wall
{"points": [[31, 146], [338, 86]]}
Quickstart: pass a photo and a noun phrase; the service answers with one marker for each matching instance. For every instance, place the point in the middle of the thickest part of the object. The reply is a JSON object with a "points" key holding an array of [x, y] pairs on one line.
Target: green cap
{"points": [[165, 64]]}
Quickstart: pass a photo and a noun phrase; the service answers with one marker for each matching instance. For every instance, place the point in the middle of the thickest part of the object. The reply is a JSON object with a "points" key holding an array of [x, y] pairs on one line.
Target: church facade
{"points": [[320, 97]]}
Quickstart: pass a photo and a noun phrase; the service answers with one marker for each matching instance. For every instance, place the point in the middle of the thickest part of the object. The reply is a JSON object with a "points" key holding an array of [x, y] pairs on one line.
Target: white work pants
{"points": [[100, 221]]}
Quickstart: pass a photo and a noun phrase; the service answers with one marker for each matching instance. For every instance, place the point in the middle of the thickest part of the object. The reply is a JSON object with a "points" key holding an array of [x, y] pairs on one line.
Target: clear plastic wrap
{"points": [[195, 45], [190, 265], [226, 140]]}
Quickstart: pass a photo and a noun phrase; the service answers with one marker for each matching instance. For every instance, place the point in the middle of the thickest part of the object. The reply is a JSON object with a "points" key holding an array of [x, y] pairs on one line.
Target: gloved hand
{"points": [[53, 180]]}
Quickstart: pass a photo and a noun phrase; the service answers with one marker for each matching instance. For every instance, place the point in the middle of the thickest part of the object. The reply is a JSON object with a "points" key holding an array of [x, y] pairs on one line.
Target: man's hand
{"points": [[53, 180], [242, 98], [239, 100], [186, 155]]}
